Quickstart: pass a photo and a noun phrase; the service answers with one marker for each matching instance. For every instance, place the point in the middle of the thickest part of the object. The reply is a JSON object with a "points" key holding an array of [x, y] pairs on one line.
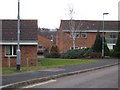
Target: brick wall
{"points": [[64, 42], [28, 56], [44, 41]]}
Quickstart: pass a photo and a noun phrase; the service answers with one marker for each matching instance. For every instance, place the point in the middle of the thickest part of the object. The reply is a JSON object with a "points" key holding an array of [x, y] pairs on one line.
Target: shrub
{"points": [[81, 53], [106, 49], [71, 54], [97, 47], [117, 47], [54, 53], [88, 52], [74, 54], [95, 55]]}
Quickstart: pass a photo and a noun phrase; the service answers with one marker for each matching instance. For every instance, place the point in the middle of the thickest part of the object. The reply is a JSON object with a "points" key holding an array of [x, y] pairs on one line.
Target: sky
{"points": [[49, 13]]}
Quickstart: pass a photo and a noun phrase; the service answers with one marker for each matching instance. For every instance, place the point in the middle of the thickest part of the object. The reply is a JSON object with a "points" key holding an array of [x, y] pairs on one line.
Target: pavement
{"points": [[27, 78]]}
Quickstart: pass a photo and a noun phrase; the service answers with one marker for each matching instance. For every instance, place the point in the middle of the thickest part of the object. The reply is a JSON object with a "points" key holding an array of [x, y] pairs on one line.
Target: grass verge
{"points": [[47, 63]]}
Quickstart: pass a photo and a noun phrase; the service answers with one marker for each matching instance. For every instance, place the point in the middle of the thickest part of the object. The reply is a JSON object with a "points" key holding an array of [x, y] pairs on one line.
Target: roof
{"points": [[47, 33], [28, 30], [89, 25]]}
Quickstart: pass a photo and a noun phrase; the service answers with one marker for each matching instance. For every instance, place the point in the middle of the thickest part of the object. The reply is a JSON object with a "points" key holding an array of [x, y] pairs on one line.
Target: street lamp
{"points": [[103, 35], [18, 43]]}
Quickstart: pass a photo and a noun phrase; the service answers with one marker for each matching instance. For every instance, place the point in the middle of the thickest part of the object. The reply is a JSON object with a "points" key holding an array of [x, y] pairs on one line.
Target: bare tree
{"points": [[74, 27]]}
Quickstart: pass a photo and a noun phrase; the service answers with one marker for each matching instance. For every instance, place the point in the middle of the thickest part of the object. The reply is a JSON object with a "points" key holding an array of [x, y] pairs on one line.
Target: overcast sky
{"points": [[50, 12]]}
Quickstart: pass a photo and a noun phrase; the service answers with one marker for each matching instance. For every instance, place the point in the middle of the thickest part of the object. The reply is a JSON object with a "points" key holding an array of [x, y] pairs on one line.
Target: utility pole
{"points": [[103, 36], [18, 43]]}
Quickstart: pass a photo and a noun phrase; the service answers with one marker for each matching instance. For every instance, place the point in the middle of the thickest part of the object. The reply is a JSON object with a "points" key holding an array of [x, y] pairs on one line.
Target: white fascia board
{"points": [[93, 30], [21, 43]]}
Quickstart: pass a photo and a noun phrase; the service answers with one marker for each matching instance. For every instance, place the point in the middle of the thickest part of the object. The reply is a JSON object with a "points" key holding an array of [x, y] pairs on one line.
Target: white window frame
{"points": [[83, 34], [77, 35], [75, 48], [83, 47], [12, 51]]}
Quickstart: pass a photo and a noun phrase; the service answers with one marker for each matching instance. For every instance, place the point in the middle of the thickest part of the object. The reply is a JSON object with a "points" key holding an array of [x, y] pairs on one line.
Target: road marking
{"points": [[40, 84], [5, 86]]}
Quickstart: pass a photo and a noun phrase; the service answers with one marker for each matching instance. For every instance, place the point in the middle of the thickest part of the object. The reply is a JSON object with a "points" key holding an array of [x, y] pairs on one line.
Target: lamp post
{"points": [[18, 43], [103, 35]]}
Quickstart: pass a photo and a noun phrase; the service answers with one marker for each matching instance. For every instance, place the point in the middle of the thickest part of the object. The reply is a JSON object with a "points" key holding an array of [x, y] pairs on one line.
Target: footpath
{"points": [[31, 77]]}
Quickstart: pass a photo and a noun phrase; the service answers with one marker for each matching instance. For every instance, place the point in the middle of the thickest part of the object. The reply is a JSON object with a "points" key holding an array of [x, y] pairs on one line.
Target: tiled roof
{"points": [[47, 33], [28, 30], [88, 25]]}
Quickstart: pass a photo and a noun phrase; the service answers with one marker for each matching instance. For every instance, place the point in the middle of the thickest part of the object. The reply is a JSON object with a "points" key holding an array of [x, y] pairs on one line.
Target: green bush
{"points": [[117, 47], [88, 52], [71, 54], [95, 55], [114, 54], [54, 53], [75, 54], [97, 47]]}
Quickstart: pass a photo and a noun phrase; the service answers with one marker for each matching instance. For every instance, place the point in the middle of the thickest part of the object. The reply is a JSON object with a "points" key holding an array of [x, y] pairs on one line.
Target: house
{"points": [[85, 33], [46, 38], [28, 42]]}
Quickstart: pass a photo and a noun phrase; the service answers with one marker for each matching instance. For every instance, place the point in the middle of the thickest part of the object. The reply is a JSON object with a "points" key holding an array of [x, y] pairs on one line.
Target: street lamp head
{"points": [[105, 13]]}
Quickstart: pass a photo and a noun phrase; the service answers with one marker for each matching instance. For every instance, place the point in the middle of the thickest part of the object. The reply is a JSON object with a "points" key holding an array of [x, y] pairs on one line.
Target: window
{"points": [[83, 35], [71, 48], [77, 35], [74, 34], [113, 35], [40, 47], [83, 47], [10, 50]]}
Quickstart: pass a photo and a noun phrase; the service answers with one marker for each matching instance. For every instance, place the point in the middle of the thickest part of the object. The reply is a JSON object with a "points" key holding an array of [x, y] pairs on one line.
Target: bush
{"points": [[95, 55], [106, 50], [117, 47], [97, 47], [71, 54], [75, 54], [114, 54], [81, 53], [88, 52], [54, 53]]}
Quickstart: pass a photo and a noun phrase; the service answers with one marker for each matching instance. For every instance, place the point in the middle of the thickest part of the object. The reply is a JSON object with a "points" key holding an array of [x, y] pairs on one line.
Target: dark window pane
{"points": [[14, 50], [8, 50], [83, 35]]}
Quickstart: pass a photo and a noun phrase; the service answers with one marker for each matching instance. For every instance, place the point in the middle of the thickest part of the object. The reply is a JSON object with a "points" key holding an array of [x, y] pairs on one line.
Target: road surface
{"points": [[101, 78]]}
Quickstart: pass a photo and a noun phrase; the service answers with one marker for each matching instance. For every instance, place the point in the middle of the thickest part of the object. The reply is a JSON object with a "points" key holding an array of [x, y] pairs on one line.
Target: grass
{"points": [[47, 63]]}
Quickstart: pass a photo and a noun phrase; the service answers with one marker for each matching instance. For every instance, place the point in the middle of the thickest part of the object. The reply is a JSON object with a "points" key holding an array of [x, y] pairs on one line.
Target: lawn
{"points": [[47, 63]]}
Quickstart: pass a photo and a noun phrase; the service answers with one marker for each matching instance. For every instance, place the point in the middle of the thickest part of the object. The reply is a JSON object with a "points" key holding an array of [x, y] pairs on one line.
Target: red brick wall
{"points": [[44, 41], [64, 42], [27, 53]]}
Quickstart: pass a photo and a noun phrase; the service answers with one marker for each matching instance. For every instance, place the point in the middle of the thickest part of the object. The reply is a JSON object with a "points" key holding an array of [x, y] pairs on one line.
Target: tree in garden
{"points": [[106, 49], [117, 47], [54, 52], [97, 47], [73, 27], [54, 49]]}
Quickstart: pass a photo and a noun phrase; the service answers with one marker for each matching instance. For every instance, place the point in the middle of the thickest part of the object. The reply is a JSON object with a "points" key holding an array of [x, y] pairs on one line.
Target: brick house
{"points": [[28, 42], [85, 31], [46, 38]]}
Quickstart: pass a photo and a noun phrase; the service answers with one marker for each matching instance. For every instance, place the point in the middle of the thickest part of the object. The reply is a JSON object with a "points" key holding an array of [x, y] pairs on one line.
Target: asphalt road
{"points": [[11, 79], [101, 78]]}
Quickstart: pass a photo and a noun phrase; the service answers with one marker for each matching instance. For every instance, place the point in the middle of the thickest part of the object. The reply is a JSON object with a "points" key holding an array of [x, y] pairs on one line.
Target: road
{"points": [[101, 78]]}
